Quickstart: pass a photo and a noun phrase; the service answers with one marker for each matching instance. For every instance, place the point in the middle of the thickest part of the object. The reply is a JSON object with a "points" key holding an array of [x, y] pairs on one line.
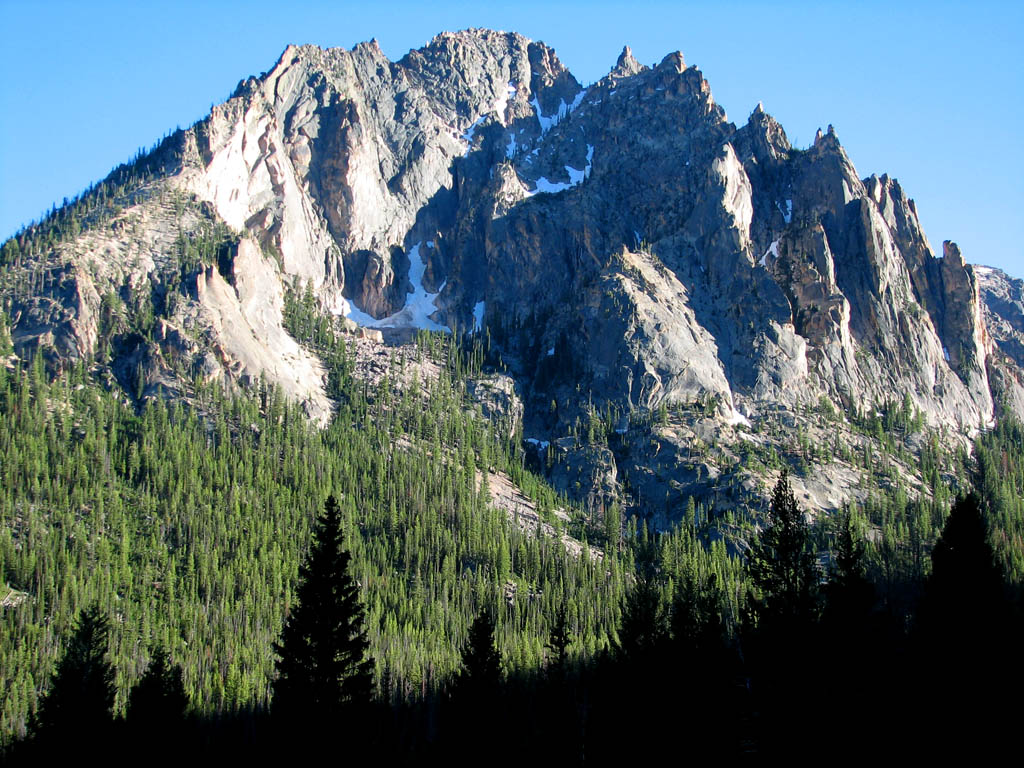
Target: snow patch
{"points": [[545, 122], [551, 352], [576, 177], [497, 108], [419, 305], [737, 418], [945, 353], [551, 187], [468, 135], [737, 192], [542, 444], [355, 314], [478, 316], [501, 103], [549, 122], [773, 249], [787, 214]]}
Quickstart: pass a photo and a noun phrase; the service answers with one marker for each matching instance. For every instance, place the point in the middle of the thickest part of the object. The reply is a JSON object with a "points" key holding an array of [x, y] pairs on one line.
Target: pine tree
{"points": [[323, 666], [644, 623], [158, 699], [849, 595], [481, 665], [559, 641], [696, 619], [780, 644], [963, 626], [782, 564], [82, 693], [475, 702], [966, 581]]}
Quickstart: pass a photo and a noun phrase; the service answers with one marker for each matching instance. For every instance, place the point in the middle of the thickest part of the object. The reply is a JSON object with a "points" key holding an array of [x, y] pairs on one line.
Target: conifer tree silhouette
{"points": [[475, 701], [782, 564], [323, 667], [966, 584], [850, 597], [782, 619], [481, 665], [963, 625], [158, 699], [78, 705], [559, 641]]}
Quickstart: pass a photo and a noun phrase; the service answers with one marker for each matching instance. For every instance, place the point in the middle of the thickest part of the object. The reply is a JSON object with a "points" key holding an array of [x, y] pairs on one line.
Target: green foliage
{"points": [[322, 666], [158, 699], [81, 696], [190, 521], [849, 596], [1000, 483], [644, 621], [481, 664], [782, 565]]}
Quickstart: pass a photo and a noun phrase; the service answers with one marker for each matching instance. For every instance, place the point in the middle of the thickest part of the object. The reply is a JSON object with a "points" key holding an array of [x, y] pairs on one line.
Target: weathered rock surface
{"points": [[622, 246]]}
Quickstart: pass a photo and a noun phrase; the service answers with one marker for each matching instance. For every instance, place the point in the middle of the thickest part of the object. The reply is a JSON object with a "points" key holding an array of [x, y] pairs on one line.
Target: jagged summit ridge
{"points": [[662, 253]]}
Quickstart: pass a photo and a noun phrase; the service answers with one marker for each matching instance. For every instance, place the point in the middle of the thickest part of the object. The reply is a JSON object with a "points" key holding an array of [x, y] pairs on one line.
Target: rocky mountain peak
{"points": [[674, 61], [623, 246], [626, 65]]}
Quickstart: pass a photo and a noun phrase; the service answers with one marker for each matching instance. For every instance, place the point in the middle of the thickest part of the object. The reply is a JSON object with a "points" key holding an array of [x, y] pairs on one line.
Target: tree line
{"points": [[814, 665], [182, 529]]}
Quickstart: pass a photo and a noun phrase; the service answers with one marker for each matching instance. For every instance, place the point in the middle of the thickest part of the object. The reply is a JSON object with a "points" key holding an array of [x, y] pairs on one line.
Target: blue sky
{"points": [[929, 92]]}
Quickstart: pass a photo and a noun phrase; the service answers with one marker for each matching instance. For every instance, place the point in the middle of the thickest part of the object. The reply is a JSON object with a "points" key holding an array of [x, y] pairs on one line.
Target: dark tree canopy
{"points": [[159, 698], [481, 665], [850, 596], [323, 665], [696, 621], [560, 639], [782, 564], [965, 590], [644, 626], [82, 691]]}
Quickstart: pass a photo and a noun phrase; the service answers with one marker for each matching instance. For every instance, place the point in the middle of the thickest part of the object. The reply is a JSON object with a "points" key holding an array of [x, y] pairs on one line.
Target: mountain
{"points": [[704, 298], [549, 347]]}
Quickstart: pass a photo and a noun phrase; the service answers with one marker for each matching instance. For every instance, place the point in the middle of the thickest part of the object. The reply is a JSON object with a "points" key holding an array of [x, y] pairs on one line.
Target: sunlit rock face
{"points": [[620, 243]]}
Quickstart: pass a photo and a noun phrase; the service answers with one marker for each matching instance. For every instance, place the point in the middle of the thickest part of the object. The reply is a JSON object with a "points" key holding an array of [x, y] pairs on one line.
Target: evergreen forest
{"points": [[152, 552]]}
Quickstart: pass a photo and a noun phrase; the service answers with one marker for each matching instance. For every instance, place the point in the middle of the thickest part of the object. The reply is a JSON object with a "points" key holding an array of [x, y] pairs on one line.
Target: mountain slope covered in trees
{"points": [[551, 348]]}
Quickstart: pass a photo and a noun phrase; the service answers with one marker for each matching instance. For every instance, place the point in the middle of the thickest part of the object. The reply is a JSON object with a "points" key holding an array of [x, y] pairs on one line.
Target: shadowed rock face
{"points": [[622, 242]]}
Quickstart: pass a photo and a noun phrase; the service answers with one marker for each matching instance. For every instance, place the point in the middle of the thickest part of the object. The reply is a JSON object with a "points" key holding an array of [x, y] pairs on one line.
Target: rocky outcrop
{"points": [[623, 246]]}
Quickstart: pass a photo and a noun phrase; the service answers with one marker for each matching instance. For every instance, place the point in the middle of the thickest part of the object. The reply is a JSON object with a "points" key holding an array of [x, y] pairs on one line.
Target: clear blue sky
{"points": [[930, 92]]}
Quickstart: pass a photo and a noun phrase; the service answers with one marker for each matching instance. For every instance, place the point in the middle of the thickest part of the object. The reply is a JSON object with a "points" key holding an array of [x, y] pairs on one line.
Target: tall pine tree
{"points": [[158, 699], [779, 642], [323, 667], [77, 709], [782, 564]]}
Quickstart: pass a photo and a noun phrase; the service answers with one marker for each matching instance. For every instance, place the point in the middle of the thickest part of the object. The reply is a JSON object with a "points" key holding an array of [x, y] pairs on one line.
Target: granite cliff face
{"points": [[623, 247]]}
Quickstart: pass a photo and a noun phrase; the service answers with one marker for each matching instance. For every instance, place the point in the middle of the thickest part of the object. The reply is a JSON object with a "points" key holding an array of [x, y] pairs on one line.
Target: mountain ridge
{"points": [[622, 246]]}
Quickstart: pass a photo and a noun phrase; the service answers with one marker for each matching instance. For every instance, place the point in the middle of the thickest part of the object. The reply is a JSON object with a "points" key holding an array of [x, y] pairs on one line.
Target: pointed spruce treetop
{"points": [[323, 666], [781, 561]]}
